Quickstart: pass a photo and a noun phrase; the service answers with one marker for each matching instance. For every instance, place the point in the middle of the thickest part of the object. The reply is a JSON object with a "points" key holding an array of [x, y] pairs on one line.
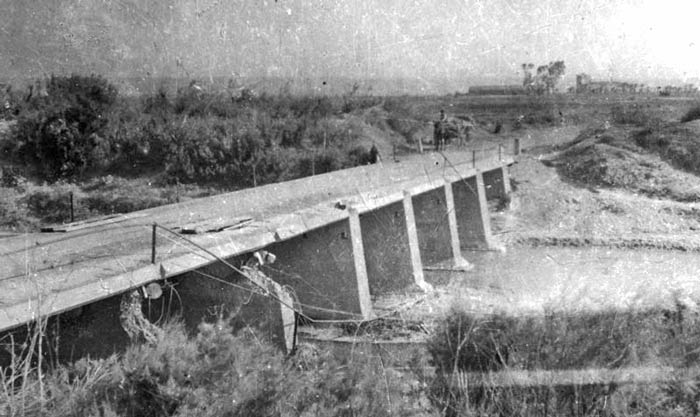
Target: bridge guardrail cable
{"points": [[276, 298]]}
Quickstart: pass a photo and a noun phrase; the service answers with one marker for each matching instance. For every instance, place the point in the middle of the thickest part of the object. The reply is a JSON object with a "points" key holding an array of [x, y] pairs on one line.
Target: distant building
{"points": [[497, 90], [585, 84]]}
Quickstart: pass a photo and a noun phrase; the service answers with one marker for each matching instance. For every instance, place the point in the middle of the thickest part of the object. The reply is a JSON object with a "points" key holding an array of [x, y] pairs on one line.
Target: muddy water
{"points": [[583, 278]]}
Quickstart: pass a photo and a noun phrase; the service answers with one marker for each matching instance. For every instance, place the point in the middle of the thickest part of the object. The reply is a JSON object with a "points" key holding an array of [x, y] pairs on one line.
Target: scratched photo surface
{"points": [[509, 188]]}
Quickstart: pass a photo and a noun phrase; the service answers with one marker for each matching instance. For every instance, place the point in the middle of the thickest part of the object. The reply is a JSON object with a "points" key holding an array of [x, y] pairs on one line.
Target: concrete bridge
{"points": [[339, 239]]}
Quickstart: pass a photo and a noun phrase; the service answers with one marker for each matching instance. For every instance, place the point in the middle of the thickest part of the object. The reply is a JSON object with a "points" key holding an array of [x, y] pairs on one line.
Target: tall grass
{"points": [[214, 373], [465, 342]]}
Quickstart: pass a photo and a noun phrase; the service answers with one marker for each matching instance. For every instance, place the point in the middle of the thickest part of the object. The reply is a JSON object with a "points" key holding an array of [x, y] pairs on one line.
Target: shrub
{"points": [[215, 373], [606, 339], [59, 132], [634, 114], [13, 214], [110, 195], [692, 114]]}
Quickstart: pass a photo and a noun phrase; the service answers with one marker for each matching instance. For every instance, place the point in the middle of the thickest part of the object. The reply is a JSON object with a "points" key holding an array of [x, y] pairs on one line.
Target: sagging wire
{"points": [[276, 298]]}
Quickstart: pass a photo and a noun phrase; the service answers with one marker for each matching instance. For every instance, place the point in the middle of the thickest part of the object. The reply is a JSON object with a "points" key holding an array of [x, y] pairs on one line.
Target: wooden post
{"points": [[516, 146], [474, 158], [420, 145], [500, 152], [72, 217], [153, 243]]}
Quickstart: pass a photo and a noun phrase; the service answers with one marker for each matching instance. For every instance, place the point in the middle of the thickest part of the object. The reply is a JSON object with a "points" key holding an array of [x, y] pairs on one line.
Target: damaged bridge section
{"points": [[316, 249]]}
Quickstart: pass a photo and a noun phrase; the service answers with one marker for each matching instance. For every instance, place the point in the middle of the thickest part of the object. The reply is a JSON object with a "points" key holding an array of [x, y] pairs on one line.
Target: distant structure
{"points": [[684, 90], [497, 90], [585, 84]]}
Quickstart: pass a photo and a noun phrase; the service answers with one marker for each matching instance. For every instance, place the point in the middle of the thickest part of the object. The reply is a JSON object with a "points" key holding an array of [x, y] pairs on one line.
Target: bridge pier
{"points": [[471, 212], [392, 256], [432, 225], [326, 269], [497, 183]]}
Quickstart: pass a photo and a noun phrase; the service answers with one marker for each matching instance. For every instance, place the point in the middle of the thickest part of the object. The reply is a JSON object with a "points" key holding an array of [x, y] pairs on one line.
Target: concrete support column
{"points": [[391, 257], [458, 260], [471, 212], [326, 269], [497, 183], [414, 247], [358, 254], [430, 209]]}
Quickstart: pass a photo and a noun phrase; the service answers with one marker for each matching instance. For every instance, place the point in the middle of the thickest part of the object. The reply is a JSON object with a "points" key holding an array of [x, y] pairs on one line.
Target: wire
{"points": [[274, 296]]}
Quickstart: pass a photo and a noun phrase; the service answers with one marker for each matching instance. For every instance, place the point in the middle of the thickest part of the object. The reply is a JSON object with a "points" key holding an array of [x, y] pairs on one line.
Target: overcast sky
{"points": [[621, 39]]}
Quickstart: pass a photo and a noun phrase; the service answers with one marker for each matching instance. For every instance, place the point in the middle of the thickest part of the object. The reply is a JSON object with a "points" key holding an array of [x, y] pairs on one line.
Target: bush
{"points": [[692, 114], [108, 195], [612, 339], [13, 214], [634, 114], [215, 373], [61, 133]]}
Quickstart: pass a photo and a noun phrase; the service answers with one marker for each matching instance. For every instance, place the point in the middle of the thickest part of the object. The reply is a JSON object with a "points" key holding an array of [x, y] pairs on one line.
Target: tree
{"points": [[528, 80], [545, 79]]}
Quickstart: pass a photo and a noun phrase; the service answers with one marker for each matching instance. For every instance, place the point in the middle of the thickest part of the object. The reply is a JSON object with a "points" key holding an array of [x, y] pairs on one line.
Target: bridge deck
{"points": [[47, 273]]}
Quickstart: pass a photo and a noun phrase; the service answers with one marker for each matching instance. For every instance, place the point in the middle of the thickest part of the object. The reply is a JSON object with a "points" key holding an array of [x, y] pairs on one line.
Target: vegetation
{"points": [[77, 127], [215, 373], [74, 132], [545, 80], [692, 114], [59, 132], [465, 342], [679, 145]]}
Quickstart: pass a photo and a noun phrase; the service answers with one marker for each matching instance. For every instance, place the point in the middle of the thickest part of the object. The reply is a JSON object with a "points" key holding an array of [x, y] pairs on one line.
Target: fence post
{"points": [[500, 152], [72, 217], [153, 244], [516, 146], [474, 158]]}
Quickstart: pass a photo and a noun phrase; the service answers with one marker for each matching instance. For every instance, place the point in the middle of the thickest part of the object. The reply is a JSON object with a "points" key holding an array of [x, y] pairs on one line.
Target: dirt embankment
{"points": [[619, 186]]}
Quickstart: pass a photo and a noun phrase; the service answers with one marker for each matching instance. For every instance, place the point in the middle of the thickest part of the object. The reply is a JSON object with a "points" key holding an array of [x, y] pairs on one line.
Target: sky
{"points": [[647, 41]]}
